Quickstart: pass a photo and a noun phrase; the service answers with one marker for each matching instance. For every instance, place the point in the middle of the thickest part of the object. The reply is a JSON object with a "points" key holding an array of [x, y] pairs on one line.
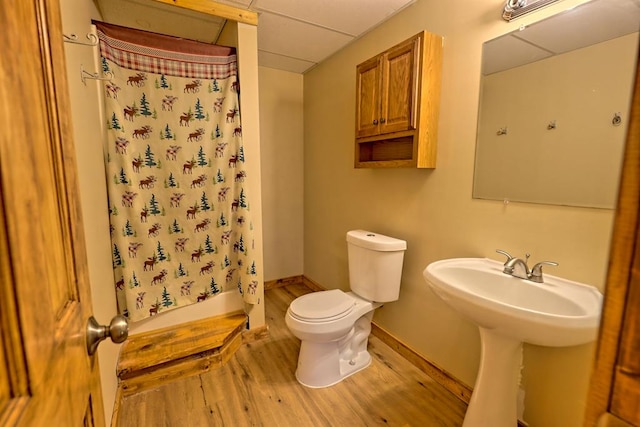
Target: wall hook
{"points": [[552, 125], [72, 38], [617, 119], [502, 131], [84, 75]]}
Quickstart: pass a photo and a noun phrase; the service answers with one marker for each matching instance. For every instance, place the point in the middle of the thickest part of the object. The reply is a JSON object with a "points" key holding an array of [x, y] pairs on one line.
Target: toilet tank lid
{"points": [[375, 241]]}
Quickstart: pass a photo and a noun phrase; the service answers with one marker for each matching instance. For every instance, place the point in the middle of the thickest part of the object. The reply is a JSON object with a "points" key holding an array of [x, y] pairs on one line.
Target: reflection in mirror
{"points": [[554, 107]]}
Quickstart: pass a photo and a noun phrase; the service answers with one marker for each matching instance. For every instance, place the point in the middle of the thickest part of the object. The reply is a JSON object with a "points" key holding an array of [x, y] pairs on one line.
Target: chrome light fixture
{"points": [[516, 8]]}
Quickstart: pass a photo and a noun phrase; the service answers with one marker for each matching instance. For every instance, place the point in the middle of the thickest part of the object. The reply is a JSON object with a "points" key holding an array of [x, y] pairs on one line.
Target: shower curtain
{"points": [[180, 214]]}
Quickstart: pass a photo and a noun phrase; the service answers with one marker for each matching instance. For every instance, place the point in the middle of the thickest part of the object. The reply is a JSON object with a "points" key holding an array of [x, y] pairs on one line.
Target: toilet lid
{"points": [[323, 305]]}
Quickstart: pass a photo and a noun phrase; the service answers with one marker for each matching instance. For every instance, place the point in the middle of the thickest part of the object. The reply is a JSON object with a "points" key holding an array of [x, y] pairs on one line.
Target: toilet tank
{"points": [[375, 265]]}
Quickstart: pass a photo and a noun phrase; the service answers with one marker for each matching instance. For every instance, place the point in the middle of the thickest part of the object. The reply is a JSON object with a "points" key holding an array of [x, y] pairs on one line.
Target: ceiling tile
{"points": [[297, 39], [293, 35], [351, 17], [584, 26], [281, 62], [508, 52]]}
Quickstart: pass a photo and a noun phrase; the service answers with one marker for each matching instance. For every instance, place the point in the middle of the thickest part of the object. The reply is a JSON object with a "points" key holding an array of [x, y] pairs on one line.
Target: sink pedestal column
{"points": [[494, 398]]}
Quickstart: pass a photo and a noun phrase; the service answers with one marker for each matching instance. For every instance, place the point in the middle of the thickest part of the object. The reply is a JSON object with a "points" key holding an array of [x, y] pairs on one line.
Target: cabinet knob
{"points": [[382, 120], [375, 122]]}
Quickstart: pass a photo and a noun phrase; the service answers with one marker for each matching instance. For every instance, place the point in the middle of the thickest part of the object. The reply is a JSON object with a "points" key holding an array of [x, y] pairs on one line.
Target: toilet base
{"points": [[323, 364], [327, 370]]}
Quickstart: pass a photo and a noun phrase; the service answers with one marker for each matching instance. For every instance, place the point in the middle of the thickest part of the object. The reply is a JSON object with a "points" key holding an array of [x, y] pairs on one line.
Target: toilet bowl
{"points": [[334, 326]]}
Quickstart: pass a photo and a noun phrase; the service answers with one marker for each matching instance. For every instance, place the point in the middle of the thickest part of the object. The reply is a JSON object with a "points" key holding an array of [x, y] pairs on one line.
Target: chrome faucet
{"points": [[535, 275], [518, 267]]}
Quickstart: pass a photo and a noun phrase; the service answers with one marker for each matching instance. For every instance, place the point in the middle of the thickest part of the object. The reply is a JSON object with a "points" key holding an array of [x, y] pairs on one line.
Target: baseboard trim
{"points": [[291, 280], [312, 284], [255, 334], [439, 375]]}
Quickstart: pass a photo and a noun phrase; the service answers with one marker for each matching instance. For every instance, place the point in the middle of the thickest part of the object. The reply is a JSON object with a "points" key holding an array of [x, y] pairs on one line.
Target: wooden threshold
{"points": [[166, 354]]}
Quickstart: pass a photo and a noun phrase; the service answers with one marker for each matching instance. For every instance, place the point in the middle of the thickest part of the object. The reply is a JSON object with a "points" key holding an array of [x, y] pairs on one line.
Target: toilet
{"points": [[333, 326]]}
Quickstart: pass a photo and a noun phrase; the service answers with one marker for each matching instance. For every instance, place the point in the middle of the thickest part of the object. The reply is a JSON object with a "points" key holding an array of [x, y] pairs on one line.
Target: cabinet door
{"points": [[399, 87], [368, 98]]}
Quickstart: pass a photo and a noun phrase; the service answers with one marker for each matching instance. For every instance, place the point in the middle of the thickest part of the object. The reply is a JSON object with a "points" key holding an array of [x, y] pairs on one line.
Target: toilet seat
{"points": [[324, 306]]}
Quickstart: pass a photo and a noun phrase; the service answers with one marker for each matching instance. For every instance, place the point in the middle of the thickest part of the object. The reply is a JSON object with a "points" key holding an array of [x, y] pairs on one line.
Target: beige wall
{"points": [[281, 136], [433, 209]]}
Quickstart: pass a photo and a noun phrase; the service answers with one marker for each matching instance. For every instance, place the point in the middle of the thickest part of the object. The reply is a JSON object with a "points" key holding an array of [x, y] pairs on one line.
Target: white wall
{"points": [[433, 209]]}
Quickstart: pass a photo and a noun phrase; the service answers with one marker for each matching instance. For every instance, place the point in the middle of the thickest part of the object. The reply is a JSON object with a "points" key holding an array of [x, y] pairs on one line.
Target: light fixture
{"points": [[515, 8]]}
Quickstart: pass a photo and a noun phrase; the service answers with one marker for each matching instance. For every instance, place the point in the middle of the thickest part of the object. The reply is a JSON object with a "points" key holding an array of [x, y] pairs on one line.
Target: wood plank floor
{"points": [[257, 387]]}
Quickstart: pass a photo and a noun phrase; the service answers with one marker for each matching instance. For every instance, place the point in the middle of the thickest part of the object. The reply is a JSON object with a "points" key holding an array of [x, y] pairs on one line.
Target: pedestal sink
{"points": [[508, 312]]}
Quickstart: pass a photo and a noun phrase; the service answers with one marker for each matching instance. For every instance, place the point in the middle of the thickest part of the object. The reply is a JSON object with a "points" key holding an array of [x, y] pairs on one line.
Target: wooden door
{"points": [[46, 377], [625, 394], [614, 395], [625, 398], [368, 98], [399, 87]]}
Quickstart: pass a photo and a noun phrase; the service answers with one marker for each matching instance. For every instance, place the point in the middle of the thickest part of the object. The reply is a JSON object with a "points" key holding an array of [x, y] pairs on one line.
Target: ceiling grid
{"points": [[293, 35]]}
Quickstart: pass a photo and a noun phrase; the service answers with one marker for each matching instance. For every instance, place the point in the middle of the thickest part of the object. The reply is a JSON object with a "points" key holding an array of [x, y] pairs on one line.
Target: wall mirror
{"points": [[554, 107]]}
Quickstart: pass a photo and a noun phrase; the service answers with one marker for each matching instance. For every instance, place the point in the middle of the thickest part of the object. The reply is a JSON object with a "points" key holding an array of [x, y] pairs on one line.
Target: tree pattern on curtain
{"points": [[181, 227]]}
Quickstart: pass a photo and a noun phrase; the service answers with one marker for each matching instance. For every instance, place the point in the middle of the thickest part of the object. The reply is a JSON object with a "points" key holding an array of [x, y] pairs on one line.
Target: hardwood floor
{"points": [[257, 387]]}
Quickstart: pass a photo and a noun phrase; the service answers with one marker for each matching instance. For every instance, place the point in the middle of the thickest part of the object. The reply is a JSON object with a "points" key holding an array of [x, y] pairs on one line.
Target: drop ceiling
{"points": [[585, 25], [293, 35]]}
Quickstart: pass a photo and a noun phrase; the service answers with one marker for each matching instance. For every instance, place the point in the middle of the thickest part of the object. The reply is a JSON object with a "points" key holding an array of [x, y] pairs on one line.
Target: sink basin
{"points": [[508, 312], [558, 312]]}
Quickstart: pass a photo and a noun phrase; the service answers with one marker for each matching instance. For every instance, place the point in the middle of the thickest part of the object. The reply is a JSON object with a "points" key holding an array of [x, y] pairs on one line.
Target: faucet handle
{"points": [[505, 253], [536, 271]]}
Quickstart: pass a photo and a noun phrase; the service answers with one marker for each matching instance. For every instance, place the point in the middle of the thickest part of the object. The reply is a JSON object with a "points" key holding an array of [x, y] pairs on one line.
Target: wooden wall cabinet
{"points": [[397, 105]]}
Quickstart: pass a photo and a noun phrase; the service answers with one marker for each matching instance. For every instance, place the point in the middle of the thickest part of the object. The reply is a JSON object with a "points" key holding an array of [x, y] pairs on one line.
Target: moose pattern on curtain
{"points": [[181, 227]]}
